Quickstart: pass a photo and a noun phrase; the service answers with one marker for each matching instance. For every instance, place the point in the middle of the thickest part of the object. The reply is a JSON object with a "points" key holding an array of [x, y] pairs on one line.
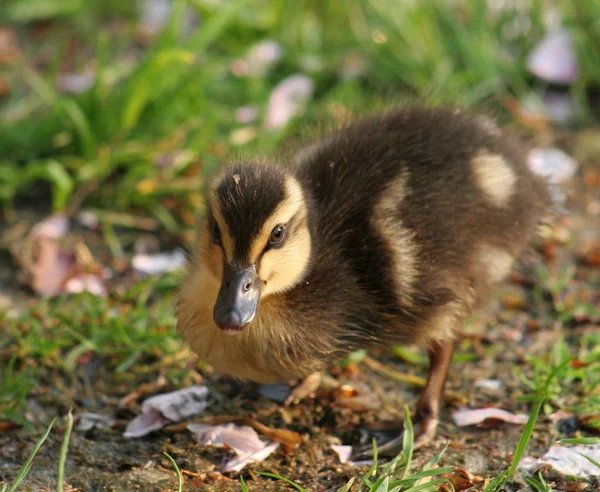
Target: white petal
{"points": [[466, 417], [553, 59]]}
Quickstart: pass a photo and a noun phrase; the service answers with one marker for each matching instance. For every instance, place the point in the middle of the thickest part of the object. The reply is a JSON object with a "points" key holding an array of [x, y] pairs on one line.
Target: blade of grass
{"points": [[25, 468], [243, 485], [346, 488], [63, 453], [283, 479], [177, 472], [428, 486], [373, 468], [580, 440], [500, 481], [70, 108], [408, 441], [217, 24]]}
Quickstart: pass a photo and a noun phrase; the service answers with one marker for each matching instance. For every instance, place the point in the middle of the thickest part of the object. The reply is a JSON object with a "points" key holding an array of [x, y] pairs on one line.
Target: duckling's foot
{"points": [[425, 434]]}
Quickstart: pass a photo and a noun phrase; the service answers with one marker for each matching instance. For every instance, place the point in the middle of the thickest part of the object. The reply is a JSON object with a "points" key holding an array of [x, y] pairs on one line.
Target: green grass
{"points": [[394, 476], [173, 101], [64, 449], [178, 93], [177, 472], [136, 328], [29, 463]]}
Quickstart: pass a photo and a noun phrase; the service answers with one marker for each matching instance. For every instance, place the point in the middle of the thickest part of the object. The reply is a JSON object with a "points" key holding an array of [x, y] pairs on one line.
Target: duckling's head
{"points": [[255, 240]]}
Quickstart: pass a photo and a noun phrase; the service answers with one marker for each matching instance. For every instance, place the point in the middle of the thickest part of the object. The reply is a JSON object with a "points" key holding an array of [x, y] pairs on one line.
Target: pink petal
{"points": [[76, 83], [246, 114], [89, 420], [144, 424], [288, 100], [567, 461], [344, 452], [53, 227], [236, 464], [159, 263], [180, 404], [553, 164], [86, 283], [553, 59], [466, 417], [52, 268], [243, 440]]}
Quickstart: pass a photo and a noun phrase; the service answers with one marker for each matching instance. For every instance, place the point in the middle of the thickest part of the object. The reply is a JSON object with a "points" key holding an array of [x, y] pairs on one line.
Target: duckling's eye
{"points": [[215, 233], [278, 236]]}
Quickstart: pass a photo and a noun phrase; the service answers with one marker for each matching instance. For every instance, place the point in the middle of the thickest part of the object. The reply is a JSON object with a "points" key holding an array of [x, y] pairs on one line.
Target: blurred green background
{"points": [[122, 106]]}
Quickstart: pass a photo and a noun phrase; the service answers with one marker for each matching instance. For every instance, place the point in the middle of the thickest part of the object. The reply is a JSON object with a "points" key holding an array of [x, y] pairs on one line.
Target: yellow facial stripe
{"points": [[290, 206], [226, 238]]}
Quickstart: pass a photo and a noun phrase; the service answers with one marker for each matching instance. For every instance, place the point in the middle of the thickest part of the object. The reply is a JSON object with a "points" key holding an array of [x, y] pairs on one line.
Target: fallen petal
{"points": [[288, 100], [343, 452], [76, 83], [567, 461], [53, 227], [553, 59], [553, 164], [86, 283], [52, 268], [89, 420], [237, 464], [262, 57], [154, 14], [159, 263], [246, 114], [243, 440], [489, 384], [179, 404], [466, 417], [144, 424]]}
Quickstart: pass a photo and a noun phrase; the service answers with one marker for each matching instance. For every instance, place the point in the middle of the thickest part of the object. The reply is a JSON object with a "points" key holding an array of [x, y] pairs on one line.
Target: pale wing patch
{"points": [[497, 262], [494, 178], [399, 239]]}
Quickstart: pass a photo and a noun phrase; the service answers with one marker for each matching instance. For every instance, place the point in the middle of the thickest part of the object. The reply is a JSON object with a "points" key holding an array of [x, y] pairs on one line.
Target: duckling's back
{"points": [[427, 209]]}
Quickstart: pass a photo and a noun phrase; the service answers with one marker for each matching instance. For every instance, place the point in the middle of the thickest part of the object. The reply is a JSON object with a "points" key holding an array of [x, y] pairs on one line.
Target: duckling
{"points": [[390, 230]]}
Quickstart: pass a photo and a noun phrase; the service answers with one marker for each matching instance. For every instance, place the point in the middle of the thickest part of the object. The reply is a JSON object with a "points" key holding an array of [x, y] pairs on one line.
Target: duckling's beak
{"points": [[238, 298]]}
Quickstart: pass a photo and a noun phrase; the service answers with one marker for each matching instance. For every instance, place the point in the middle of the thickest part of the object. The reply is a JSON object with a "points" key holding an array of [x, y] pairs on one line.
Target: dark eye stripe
{"points": [[215, 233]]}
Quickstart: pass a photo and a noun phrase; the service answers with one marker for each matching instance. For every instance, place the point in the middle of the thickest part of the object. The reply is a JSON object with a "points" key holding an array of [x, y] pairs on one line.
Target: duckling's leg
{"points": [[428, 407]]}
